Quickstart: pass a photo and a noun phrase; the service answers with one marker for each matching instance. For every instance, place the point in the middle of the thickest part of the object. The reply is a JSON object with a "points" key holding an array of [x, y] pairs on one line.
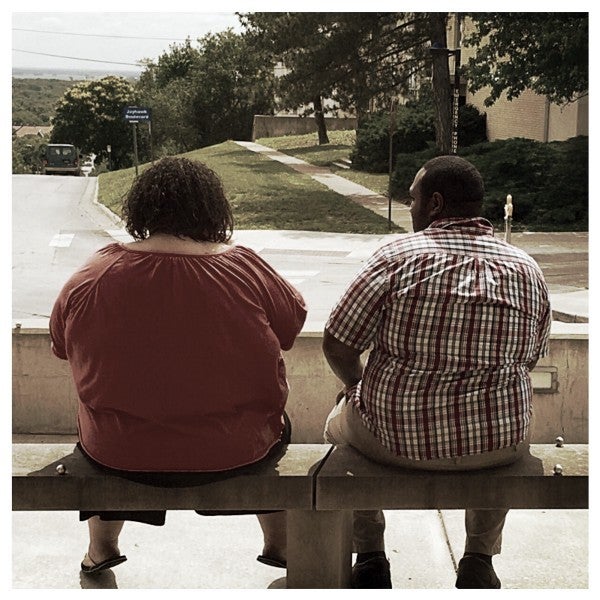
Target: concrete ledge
{"points": [[285, 482], [45, 400], [349, 480]]}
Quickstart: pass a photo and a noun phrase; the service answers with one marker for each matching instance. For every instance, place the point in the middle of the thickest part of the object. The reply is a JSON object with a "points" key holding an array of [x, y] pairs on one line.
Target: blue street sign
{"points": [[135, 114]]}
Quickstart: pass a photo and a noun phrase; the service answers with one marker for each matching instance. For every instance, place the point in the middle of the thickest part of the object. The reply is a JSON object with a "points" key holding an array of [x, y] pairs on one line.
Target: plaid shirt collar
{"points": [[473, 225]]}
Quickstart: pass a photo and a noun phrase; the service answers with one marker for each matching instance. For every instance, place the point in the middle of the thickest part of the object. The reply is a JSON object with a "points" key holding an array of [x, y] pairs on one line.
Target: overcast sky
{"points": [[106, 40]]}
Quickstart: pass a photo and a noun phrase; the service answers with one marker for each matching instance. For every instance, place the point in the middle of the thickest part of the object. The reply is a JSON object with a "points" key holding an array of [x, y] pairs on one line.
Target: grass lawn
{"points": [[264, 194], [306, 147]]}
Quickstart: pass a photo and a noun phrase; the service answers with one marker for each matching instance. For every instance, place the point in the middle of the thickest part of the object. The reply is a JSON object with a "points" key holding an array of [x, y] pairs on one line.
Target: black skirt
{"points": [[179, 479]]}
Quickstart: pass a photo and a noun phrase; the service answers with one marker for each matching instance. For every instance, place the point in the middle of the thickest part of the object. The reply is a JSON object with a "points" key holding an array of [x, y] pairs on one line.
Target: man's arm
{"points": [[344, 360]]}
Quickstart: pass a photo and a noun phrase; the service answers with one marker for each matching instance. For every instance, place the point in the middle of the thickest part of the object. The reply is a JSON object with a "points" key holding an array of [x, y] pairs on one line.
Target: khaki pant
{"points": [[345, 426]]}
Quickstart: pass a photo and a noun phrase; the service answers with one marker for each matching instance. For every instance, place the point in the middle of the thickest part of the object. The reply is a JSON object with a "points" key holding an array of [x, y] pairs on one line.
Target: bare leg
{"points": [[274, 528], [104, 540]]}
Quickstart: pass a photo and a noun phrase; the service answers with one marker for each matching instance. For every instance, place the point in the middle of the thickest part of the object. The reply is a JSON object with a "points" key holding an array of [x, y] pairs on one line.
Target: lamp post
{"points": [[455, 99], [108, 149]]}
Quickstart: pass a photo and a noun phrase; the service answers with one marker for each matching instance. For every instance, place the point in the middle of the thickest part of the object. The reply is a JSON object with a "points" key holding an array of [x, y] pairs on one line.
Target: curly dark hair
{"points": [[455, 178], [179, 197]]}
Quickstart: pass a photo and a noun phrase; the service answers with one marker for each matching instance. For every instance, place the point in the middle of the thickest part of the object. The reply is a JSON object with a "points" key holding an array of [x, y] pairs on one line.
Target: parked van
{"points": [[62, 159]]}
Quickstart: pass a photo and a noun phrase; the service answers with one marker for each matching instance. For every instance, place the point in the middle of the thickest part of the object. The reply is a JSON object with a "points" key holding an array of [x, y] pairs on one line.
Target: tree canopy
{"points": [[353, 59], [89, 115], [206, 94], [546, 52]]}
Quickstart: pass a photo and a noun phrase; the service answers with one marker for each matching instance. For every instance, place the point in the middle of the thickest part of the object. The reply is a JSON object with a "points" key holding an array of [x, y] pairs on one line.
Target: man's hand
{"points": [[343, 360]]}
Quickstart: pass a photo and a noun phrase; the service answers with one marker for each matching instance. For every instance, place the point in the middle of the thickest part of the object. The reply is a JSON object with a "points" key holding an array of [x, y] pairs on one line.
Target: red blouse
{"points": [[177, 358]]}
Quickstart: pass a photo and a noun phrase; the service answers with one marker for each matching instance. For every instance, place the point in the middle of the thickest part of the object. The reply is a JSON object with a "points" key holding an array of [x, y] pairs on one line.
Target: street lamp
{"points": [[437, 47], [108, 149]]}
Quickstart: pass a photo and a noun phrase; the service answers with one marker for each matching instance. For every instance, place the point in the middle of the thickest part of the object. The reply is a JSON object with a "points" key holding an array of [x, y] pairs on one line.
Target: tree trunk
{"points": [[441, 83], [320, 120]]}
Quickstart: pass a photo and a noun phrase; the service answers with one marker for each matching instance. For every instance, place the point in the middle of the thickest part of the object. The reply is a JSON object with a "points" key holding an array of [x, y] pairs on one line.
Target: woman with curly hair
{"points": [[174, 341]]}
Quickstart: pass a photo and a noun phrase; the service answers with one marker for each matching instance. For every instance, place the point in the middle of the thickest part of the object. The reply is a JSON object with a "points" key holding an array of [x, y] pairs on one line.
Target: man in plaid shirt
{"points": [[456, 319]]}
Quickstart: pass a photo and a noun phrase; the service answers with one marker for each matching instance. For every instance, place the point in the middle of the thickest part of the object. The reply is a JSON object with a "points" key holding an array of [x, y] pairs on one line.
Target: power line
{"points": [[108, 62], [125, 37]]}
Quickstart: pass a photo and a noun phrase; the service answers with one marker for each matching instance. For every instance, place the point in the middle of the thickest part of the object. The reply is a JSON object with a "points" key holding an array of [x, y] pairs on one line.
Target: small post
{"points": [[508, 213], [135, 149], [391, 160], [151, 146]]}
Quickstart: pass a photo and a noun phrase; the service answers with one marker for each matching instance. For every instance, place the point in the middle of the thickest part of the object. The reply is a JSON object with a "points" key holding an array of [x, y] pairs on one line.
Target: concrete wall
{"points": [[265, 126], [45, 401]]}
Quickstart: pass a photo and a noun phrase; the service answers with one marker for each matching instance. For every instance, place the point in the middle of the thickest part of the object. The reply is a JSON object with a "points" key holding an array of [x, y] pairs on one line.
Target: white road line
{"points": [[62, 240]]}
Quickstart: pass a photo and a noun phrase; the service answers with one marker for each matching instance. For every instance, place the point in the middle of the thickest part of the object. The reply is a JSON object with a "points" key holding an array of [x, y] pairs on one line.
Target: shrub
{"points": [[413, 130], [548, 182], [471, 126]]}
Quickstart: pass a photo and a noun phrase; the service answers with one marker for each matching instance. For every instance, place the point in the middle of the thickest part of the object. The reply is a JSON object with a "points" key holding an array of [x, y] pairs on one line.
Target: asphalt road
{"points": [[55, 227]]}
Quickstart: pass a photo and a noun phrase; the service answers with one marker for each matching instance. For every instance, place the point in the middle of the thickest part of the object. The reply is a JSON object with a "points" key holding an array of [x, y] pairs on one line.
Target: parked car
{"points": [[62, 159]]}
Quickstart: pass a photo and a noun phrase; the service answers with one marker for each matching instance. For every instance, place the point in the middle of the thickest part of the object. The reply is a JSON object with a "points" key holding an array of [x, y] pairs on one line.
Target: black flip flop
{"points": [[102, 566], [272, 562]]}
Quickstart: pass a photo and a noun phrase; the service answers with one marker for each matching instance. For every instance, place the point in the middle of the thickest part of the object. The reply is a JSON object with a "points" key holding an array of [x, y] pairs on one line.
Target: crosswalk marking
{"points": [[62, 240]]}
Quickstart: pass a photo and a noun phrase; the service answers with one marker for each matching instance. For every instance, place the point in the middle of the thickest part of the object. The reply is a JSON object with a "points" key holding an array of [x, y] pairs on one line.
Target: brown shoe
{"points": [[373, 573], [475, 573]]}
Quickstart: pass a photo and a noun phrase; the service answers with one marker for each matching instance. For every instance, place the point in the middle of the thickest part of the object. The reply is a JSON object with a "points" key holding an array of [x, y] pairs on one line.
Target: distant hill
{"points": [[34, 100], [70, 74]]}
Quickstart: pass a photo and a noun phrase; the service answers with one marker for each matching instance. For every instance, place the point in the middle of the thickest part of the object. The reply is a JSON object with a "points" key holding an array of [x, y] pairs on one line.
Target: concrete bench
{"points": [[317, 484], [549, 477], [287, 483]]}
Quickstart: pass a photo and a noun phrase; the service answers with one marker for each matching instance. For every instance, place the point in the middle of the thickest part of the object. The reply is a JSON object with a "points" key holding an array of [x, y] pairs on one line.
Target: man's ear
{"points": [[436, 204]]}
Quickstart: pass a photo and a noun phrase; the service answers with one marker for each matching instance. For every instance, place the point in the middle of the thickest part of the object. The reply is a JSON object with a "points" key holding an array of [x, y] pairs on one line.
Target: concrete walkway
{"points": [[542, 550], [357, 193]]}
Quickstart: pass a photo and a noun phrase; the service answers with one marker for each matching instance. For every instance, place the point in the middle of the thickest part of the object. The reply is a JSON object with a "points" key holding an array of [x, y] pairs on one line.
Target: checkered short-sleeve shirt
{"points": [[452, 315]]}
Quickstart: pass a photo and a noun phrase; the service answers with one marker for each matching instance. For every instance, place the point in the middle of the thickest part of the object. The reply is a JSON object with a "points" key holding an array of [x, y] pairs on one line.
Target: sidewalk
{"points": [[542, 550], [357, 193]]}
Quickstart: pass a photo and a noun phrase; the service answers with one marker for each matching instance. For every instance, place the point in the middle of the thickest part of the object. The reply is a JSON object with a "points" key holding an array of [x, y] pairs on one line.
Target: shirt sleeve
{"points": [[283, 304], [355, 317], [57, 326]]}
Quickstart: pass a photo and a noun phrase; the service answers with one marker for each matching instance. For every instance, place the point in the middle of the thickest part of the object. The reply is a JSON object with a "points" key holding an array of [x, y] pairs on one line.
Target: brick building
{"points": [[530, 115]]}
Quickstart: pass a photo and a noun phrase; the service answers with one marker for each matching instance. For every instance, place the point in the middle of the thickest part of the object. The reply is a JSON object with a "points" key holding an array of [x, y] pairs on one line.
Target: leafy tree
{"points": [[546, 52], [205, 95], [90, 117], [359, 60], [27, 154], [233, 84], [168, 88]]}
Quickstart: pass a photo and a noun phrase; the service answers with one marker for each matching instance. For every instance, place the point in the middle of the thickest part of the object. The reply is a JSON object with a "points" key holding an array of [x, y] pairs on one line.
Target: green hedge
{"points": [[548, 181], [414, 130]]}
